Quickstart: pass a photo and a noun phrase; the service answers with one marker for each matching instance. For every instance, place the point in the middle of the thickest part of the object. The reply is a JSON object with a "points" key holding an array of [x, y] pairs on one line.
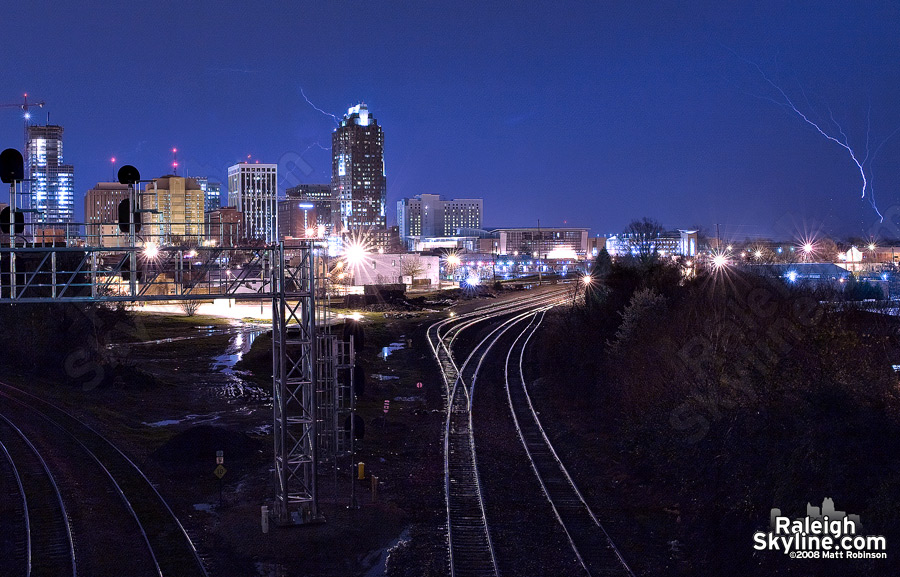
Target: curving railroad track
{"points": [[86, 505], [471, 549], [592, 545], [471, 552], [35, 537]]}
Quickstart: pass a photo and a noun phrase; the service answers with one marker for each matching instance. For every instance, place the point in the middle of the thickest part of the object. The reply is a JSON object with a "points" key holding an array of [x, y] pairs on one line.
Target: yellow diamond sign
{"points": [[220, 471]]}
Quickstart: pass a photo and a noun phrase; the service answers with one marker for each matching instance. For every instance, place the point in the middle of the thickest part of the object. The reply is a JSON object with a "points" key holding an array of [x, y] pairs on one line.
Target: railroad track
{"points": [[471, 551], [168, 551], [35, 535], [591, 543]]}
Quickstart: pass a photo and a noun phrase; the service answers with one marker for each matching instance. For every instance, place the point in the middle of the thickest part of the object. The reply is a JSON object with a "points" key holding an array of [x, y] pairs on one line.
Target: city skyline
{"points": [[631, 111]]}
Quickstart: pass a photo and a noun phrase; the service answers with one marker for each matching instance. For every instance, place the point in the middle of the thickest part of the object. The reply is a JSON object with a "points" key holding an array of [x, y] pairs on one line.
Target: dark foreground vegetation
{"points": [[70, 343], [725, 395]]}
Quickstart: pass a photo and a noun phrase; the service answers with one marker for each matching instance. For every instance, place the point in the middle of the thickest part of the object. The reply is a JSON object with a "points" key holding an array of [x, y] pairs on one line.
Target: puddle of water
{"points": [[393, 347], [165, 423], [206, 507], [231, 383], [407, 399], [194, 418], [386, 377], [261, 430], [239, 345]]}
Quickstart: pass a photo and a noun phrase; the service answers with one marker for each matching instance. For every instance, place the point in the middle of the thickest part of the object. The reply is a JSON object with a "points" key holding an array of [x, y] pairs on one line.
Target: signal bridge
{"points": [[44, 262]]}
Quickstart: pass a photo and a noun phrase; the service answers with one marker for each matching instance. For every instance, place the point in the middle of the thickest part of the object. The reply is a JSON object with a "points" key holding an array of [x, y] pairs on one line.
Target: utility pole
{"points": [[540, 238]]}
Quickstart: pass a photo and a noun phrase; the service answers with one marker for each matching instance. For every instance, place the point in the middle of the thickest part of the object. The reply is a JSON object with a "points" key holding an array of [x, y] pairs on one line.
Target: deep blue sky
{"points": [[590, 113]]}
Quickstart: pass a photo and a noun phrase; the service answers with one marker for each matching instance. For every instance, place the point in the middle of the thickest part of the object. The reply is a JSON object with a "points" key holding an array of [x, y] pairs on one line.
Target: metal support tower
{"points": [[294, 389], [64, 274]]}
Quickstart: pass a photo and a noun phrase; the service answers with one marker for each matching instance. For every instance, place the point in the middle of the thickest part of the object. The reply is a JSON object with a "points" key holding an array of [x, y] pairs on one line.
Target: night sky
{"points": [[589, 113]]}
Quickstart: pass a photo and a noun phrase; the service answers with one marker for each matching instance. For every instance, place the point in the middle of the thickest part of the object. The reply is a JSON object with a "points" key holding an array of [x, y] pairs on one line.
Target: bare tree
{"points": [[190, 307], [412, 267], [644, 235]]}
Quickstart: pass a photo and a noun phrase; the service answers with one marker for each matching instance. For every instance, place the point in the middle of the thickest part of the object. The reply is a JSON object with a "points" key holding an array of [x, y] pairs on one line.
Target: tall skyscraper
{"points": [[253, 191], [357, 172], [429, 216], [101, 214], [212, 190], [176, 203], [52, 186]]}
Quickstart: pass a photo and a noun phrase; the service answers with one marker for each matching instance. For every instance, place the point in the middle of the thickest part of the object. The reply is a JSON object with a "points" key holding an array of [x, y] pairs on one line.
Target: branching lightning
{"points": [[843, 142], [308, 101], [838, 137]]}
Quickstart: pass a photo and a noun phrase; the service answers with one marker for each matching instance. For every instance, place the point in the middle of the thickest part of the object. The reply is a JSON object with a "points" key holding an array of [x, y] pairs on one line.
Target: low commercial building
{"points": [[677, 242], [544, 243], [409, 269]]}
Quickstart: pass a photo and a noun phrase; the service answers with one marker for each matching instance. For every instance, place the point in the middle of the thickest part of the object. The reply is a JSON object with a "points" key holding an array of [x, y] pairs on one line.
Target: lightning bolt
{"points": [[308, 101], [840, 139], [843, 142], [315, 145], [872, 170]]}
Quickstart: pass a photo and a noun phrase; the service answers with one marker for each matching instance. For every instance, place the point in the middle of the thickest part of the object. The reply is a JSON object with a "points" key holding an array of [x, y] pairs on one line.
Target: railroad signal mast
{"points": [[146, 271]]}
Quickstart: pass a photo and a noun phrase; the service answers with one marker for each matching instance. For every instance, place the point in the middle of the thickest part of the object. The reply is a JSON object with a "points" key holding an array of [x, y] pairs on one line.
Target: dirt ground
{"points": [[175, 427]]}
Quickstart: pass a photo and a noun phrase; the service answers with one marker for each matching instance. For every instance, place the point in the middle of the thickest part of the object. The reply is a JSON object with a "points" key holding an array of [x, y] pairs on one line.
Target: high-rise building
{"points": [[253, 191], [52, 184], [319, 195], [212, 190], [101, 214], [357, 172], [429, 216], [176, 204]]}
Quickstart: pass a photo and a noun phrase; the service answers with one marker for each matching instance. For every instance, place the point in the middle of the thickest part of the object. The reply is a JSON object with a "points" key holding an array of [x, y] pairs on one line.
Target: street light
{"points": [[585, 280], [354, 253], [151, 250]]}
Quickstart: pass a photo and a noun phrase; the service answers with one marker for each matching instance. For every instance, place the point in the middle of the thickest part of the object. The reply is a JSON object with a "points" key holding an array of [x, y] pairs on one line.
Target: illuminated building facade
{"points": [[177, 206], [544, 243], [357, 172], [51, 190], [319, 196], [297, 219], [429, 216], [212, 191], [253, 191], [101, 214]]}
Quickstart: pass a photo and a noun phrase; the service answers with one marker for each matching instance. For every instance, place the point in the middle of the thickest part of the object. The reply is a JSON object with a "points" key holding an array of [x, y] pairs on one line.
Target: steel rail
{"points": [[27, 520], [555, 494], [56, 494], [460, 404], [130, 465]]}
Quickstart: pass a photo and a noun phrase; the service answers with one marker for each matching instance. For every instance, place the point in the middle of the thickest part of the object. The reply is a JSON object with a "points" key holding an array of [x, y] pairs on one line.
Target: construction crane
{"points": [[24, 106]]}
